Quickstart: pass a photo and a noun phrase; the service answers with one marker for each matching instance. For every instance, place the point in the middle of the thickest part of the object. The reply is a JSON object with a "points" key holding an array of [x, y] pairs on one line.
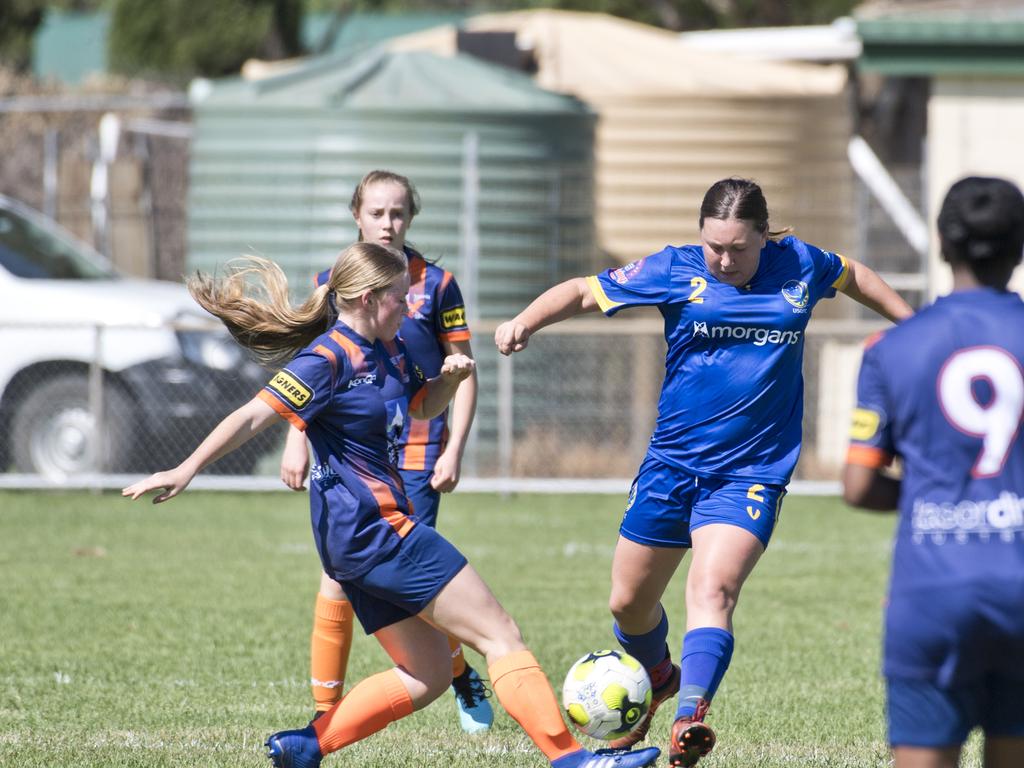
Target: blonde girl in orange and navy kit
{"points": [[429, 455], [347, 383]]}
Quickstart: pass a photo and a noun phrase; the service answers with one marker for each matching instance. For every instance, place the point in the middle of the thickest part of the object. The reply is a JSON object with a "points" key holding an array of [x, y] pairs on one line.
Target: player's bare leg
{"points": [[723, 558], [927, 757], [1003, 752], [640, 575]]}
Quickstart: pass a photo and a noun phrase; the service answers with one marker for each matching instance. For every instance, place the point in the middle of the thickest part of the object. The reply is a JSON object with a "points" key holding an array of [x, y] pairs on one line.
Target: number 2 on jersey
{"points": [[997, 421], [699, 284]]}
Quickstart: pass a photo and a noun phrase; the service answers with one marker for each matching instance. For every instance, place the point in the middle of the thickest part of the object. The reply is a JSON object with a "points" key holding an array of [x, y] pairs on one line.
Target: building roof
{"points": [[383, 80], [837, 41], [942, 37], [595, 56]]}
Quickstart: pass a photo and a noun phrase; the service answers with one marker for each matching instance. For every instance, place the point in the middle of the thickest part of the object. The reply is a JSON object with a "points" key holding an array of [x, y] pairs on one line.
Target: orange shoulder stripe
{"points": [[282, 410], [332, 358], [355, 354], [445, 279], [866, 456]]}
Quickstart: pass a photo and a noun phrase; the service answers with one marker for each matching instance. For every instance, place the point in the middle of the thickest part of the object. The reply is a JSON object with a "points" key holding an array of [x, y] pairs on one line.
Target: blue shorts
{"points": [[402, 585], [955, 632], [666, 504], [424, 499], [921, 714]]}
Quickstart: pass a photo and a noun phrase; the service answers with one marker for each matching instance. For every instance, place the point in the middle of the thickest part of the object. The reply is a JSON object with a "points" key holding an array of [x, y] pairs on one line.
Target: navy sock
{"points": [[706, 654], [650, 648]]}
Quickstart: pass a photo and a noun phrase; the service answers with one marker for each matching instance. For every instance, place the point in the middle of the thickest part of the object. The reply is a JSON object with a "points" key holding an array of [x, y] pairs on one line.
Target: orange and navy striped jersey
{"points": [[437, 313], [352, 398]]}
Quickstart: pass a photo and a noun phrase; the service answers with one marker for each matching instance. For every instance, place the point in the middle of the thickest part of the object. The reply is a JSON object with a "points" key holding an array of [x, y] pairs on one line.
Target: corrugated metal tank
{"points": [[275, 161]]}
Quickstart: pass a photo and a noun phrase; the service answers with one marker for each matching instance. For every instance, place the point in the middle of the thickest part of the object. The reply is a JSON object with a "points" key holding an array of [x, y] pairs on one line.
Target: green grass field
{"points": [[178, 635]]}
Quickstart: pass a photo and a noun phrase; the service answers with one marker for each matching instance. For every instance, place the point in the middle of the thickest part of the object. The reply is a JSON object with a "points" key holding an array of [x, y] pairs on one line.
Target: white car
{"points": [[104, 373]]}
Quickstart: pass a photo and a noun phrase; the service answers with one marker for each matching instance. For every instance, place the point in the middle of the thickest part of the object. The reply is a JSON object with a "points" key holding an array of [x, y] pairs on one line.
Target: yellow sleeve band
{"points": [[602, 299], [844, 275]]}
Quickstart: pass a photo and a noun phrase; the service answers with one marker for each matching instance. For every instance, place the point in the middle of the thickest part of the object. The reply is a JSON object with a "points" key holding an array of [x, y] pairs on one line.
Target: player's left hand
{"points": [[446, 472], [170, 483], [457, 367]]}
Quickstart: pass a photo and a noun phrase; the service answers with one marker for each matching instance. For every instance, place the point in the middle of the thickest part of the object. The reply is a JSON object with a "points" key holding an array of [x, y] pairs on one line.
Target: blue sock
{"points": [[706, 654], [650, 648]]}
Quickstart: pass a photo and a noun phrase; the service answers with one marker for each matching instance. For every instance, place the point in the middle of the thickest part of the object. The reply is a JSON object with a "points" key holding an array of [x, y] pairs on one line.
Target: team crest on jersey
{"points": [[797, 294], [700, 329], [291, 388], [864, 425], [453, 318], [624, 274], [418, 304]]}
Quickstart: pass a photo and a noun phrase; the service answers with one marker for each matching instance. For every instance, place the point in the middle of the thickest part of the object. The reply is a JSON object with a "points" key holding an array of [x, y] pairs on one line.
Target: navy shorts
{"points": [[424, 499], [921, 714], [666, 504], [402, 585]]}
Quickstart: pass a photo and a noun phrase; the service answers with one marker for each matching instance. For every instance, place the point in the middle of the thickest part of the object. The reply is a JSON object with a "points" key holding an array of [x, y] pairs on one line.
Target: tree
{"points": [[180, 39]]}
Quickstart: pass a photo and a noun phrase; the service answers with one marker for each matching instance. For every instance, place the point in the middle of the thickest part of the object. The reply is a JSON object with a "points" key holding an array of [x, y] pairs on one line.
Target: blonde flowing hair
{"points": [[251, 299]]}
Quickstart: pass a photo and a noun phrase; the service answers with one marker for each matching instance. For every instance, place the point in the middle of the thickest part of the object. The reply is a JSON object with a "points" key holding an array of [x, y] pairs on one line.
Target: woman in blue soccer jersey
{"points": [[429, 454], [728, 432], [945, 393], [349, 386]]}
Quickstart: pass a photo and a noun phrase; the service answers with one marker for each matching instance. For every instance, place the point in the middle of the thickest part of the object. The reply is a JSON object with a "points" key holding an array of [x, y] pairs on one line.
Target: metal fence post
{"points": [[505, 415], [96, 405], [469, 258]]}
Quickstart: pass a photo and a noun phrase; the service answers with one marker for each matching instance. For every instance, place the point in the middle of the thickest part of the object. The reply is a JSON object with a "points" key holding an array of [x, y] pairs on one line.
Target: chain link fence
{"points": [[577, 407]]}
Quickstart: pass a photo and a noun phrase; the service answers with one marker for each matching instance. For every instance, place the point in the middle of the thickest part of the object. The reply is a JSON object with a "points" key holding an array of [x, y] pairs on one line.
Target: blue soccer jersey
{"points": [[437, 313], [352, 399], [944, 391], [732, 401]]}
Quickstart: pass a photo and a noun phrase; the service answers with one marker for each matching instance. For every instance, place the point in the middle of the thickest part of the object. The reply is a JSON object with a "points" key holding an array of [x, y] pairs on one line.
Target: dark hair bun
{"points": [[982, 218]]}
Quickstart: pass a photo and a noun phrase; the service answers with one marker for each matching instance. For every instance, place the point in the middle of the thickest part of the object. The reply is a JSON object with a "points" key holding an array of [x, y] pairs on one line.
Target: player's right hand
{"points": [[170, 483], [511, 336]]}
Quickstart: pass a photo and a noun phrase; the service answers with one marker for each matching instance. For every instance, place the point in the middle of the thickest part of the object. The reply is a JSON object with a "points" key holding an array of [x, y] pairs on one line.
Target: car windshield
{"points": [[34, 249]]}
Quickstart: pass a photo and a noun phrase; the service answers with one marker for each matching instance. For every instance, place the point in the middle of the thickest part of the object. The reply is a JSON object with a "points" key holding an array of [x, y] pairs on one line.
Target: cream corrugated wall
{"points": [[975, 125], [655, 158]]}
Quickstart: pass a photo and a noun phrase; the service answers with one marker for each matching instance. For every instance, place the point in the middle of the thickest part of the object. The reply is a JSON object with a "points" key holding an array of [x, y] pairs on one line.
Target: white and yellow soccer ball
{"points": [[606, 694]]}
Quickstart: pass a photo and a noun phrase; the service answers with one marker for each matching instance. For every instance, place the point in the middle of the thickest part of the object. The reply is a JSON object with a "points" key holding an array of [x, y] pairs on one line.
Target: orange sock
{"points": [[525, 693], [371, 705], [458, 657], [329, 648]]}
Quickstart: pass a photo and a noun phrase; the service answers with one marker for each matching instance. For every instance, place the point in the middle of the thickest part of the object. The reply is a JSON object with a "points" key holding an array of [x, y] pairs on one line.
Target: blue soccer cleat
{"points": [[294, 749], [475, 713], [608, 758]]}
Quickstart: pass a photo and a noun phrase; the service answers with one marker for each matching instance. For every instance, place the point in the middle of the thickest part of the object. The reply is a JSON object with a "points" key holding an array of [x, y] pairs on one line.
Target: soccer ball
{"points": [[606, 694]]}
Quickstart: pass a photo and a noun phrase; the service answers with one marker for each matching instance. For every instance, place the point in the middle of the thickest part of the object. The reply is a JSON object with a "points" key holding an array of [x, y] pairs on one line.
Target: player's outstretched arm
{"points": [[236, 428], [868, 488], [561, 302], [866, 287], [438, 391]]}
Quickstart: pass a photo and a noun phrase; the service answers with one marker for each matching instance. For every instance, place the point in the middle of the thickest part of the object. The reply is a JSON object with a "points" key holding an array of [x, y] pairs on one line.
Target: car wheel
{"points": [[53, 432]]}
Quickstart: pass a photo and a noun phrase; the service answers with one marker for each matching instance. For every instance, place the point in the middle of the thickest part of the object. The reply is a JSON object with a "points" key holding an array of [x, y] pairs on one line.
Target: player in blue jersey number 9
{"points": [[429, 454], [728, 431], [945, 393], [347, 383]]}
